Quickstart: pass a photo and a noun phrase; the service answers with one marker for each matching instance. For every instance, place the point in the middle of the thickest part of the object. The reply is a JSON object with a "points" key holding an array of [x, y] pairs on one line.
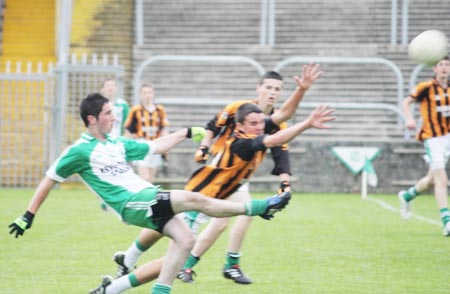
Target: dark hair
{"points": [[92, 105], [271, 75], [244, 110]]}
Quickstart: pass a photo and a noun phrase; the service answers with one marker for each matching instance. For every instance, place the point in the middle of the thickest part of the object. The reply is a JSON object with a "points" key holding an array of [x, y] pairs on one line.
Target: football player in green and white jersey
{"points": [[101, 162], [120, 106]]}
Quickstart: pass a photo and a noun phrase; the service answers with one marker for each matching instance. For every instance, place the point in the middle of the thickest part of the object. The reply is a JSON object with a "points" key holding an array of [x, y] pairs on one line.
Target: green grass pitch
{"points": [[335, 243]]}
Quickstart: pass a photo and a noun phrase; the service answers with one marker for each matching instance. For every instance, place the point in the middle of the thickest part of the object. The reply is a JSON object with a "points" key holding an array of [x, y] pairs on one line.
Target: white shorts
{"points": [[196, 219], [244, 188], [154, 161], [437, 150]]}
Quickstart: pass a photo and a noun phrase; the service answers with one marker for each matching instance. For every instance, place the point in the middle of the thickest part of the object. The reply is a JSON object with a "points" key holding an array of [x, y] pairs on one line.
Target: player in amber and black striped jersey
{"points": [[218, 131], [146, 122], [434, 101]]}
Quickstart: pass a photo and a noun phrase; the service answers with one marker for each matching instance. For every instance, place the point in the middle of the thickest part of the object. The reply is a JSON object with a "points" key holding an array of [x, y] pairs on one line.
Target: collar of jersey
{"points": [[241, 134], [435, 81], [89, 137]]}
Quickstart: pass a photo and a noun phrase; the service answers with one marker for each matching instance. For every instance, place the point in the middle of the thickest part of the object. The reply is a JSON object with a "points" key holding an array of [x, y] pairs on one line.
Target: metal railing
{"points": [[349, 60], [194, 59], [193, 101]]}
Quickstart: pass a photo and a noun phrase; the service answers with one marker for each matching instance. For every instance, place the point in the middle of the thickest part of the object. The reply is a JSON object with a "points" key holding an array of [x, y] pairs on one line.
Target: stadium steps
{"points": [[105, 27], [23, 20], [28, 37]]}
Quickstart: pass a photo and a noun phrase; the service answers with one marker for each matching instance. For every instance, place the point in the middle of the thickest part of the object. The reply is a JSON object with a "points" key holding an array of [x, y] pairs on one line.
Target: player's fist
{"points": [[21, 224], [284, 187], [202, 155], [196, 133]]}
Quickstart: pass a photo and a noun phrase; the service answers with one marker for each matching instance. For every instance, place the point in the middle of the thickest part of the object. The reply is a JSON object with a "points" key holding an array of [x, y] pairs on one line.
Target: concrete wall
{"points": [[316, 169]]}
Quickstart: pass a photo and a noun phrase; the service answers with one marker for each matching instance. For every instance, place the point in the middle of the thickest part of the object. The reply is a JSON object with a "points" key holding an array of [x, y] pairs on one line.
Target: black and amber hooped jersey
{"points": [[145, 124], [231, 167], [434, 109], [223, 126]]}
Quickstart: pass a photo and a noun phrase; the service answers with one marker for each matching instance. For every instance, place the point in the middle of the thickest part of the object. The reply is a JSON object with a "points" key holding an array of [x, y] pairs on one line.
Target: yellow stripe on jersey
{"points": [[434, 109]]}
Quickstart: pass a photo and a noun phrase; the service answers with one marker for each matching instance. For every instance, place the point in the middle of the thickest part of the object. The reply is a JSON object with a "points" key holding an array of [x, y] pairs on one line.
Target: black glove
{"points": [[21, 224], [202, 155], [284, 187]]}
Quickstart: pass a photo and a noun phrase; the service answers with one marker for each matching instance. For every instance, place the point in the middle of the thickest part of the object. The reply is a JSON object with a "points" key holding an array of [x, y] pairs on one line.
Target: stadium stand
{"points": [[338, 29]]}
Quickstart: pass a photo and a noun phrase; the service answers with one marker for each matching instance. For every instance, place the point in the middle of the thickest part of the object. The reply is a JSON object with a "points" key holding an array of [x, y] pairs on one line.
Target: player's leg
{"points": [[164, 268], [440, 193], [438, 148], [203, 242], [182, 200], [180, 246], [232, 269], [144, 274], [126, 260], [406, 196]]}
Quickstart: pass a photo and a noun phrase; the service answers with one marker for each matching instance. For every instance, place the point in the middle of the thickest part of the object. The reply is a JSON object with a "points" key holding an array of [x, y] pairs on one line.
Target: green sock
{"points": [[255, 207], [410, 194], [191, 261], [232, 259], [140, 246], [161, 289], [133, 280], [445, 215]]}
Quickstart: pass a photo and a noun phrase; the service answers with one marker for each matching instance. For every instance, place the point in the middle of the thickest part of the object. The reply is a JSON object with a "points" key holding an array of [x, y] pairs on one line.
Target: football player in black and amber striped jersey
{"points": [[147, 121], [433, 97], [219, 130]]}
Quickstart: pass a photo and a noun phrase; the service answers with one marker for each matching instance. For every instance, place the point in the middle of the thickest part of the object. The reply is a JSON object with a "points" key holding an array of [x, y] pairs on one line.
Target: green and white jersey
{"points": [[104, 168], [120, 112]]}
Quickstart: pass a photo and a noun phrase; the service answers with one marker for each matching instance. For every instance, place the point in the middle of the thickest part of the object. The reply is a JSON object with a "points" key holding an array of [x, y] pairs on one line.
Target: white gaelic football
{"points": [[429, 47]]}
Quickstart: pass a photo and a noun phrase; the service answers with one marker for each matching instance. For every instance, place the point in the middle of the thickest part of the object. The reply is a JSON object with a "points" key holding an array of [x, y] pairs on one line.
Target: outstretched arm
{"points": [[316, 119], [310, 73], [164, 144], [41, 193], [24, 222]]}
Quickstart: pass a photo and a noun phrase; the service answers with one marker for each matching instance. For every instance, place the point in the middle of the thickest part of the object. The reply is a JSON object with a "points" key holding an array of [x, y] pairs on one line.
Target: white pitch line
{"points": [[387, 206]]}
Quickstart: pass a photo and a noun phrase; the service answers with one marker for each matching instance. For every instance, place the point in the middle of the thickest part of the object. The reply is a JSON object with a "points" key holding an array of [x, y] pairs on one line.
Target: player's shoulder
{"points": [[137, 107], [160, 107], [426, 84], [233, 106]]}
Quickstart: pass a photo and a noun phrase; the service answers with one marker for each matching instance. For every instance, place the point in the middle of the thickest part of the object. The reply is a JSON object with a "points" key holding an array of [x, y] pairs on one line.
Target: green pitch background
{"points": [[319, 244]]}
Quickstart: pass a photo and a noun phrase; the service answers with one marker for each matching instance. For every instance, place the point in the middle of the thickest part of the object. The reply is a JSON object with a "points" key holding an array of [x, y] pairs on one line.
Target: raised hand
{"points": [[310, 73]]}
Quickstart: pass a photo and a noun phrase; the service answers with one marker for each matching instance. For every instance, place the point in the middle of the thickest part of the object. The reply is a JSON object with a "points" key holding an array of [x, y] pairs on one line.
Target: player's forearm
{"points": [[406, 107], [286, 135], [207, 139], [40, 194], [165, 143], [289, 107]]}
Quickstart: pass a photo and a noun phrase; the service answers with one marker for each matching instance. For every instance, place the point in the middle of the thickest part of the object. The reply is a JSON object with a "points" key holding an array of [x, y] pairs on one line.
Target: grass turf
{"points": [[334, 243]]}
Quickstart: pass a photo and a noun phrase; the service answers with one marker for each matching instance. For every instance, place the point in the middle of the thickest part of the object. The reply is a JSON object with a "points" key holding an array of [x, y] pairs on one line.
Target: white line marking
{"points": [[387, 206]]}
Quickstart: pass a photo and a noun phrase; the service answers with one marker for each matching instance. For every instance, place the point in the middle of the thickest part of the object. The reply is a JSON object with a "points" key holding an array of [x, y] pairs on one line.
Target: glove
{"points": [[196, 133], [21, 224], [202, 155], [284, 187]]}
